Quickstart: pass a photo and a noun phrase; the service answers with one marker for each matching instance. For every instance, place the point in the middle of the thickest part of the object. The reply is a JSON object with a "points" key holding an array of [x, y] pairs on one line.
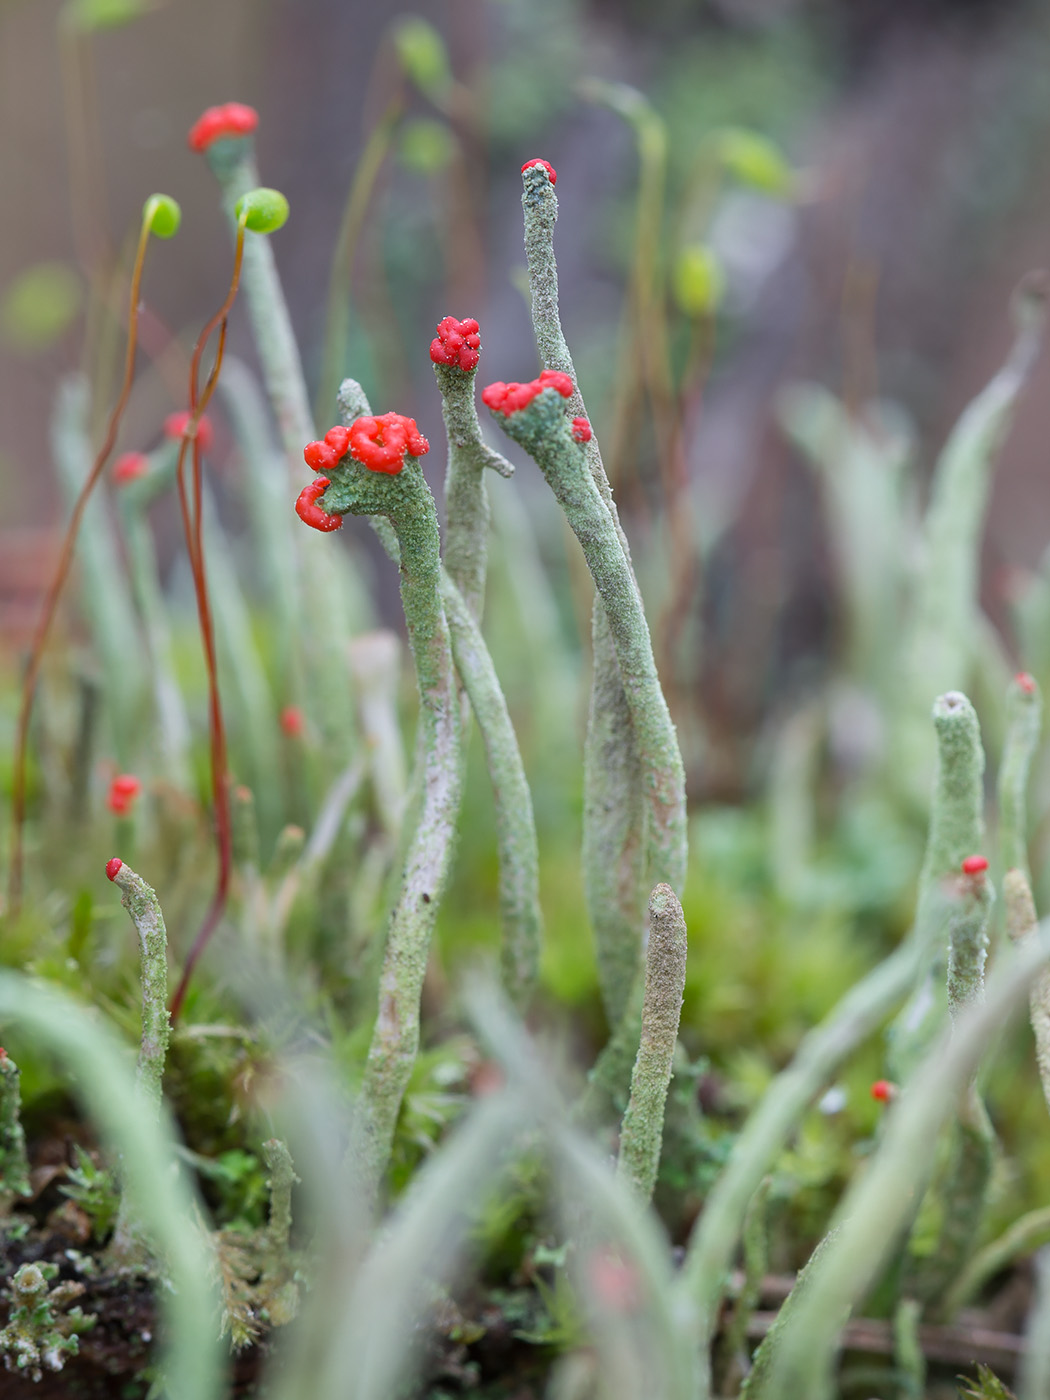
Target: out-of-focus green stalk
{"points": [[105, 594], [1024, 719]]}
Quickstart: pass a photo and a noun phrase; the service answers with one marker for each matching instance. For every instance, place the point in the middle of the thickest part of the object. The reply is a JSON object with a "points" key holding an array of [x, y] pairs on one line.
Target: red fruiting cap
{"points": [[380, 442], [883, 1090], [1025, 682], [231, 119], [457, 343], [291, 716], [309, 512], [113, 868], [123, 791], [129, 466], [581, 430], [175, 426], [325, 455], [974, 865], [512, 398], [551, 172]]}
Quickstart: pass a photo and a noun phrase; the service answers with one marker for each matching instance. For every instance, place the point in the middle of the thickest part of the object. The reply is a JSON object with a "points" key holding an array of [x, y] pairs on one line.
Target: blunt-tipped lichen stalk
{"points": [[956, 832], [466, 507], [14, 1164], [140, 900], [542, 428], [405, 499], [520, 912], [857, 1015], [160, 215], [1021, 926], [1024, 718], [641, 1136], [614, 821]]}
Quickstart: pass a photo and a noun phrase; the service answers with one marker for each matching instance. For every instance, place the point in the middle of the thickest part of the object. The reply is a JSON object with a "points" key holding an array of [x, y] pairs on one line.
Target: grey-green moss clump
{"points": [[641, 1136], [39, 1332]]}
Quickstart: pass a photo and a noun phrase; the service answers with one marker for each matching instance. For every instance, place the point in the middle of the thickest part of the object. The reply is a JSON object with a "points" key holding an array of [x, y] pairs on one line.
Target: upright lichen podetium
{"points": [[454, 352], [956, 832], [614, 817], [14, 1164], [641, 1136], [140, 900], [372, 469], [534, 415], [1024, 707]]}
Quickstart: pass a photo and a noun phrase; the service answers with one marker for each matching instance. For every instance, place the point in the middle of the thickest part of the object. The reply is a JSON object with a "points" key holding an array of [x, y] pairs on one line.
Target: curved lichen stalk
{"points": [[614, 819], [521, 917], [1024, 708], [540, 425], [404, 498]]}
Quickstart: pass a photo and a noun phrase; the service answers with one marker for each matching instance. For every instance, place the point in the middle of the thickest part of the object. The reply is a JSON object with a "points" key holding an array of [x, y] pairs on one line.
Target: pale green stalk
{"points": [[140, 900], [14, 1163], [714, 1239], [104, 592], [758, 1385], [160, 1198], [956, 831], [614, 821], [1024, 719], [325, 569], [1021, 924], [937, 651], [755, 1249], [466, 503], [879, 1204], [170, 710], [375, 664], [520, 912], [406, 501], [1024, 1235], [543, 429], [1034, 1380], [641, 1136]]}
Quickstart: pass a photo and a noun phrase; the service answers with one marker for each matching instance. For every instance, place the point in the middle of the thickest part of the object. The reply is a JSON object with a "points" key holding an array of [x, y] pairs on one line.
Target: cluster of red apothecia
{"points": [[512, 398], [457, 343], [231, 119]]}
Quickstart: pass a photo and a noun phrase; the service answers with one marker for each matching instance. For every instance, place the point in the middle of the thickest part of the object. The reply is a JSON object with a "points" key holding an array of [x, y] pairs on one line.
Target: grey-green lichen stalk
{"points": [[641, 1136], [140, 900], [1021, 924], [14, 1164], [1024, 706], [614, 819], [543, 429], [405, 500], [956, 831]]}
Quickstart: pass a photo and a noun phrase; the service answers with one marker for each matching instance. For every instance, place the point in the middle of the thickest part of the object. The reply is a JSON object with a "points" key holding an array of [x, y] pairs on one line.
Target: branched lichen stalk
{"points": [[520, 912], [614, 821], [641, 1136], [406, 501], [466, 505], [1024, 717], [544, 431], [1021, 926], [956, 831], [14, 1164]]}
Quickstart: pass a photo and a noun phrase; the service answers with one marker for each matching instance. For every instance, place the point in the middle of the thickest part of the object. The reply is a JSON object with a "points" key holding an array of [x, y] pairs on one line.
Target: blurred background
{"points": [[753, 193]]}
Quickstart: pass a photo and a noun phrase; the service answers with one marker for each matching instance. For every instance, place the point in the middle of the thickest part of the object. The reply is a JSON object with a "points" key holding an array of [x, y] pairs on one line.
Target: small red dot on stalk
{"points": [[113, 868], [176, 424], [581, 430], [231, 119], [129, 467], [883, 1090], [552, 174], [457, 343], [975, 865], [292, 721], [310, 513], [1025, 682]]}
